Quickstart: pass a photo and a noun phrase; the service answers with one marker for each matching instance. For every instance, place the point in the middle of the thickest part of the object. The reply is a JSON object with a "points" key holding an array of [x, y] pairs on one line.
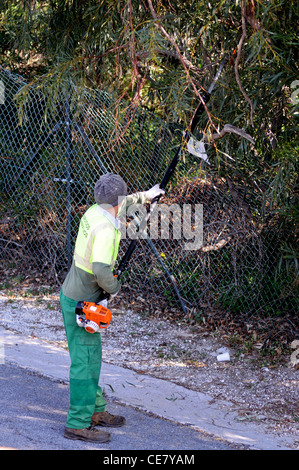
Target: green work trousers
{"points": [[86, 358]]}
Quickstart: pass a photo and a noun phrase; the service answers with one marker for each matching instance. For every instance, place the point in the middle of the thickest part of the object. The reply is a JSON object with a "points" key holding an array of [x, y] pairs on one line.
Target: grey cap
{"points": [[110, 189]]}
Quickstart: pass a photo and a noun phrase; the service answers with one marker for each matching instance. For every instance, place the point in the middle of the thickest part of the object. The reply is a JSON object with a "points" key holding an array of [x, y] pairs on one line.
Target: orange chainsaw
{"points": [[92, 316]]}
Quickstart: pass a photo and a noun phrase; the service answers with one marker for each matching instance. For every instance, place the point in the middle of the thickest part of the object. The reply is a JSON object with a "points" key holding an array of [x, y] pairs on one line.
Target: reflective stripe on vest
{"points": [[82, 263]]}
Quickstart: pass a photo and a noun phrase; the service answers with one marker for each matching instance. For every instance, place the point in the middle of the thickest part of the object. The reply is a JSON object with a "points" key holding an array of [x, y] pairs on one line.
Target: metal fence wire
{"points": [[49, 163]]}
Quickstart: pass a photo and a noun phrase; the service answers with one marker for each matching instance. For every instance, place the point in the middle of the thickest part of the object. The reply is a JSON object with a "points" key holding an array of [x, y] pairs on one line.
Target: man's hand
{"points": [[154, 192], [112, 296]]}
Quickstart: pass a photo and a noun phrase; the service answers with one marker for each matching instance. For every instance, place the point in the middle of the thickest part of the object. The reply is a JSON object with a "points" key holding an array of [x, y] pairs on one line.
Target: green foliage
{"points": [[161, 54]]}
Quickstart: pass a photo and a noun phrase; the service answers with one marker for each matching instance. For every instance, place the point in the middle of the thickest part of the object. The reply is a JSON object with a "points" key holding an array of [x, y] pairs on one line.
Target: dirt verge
{"points": [[261, 391]]}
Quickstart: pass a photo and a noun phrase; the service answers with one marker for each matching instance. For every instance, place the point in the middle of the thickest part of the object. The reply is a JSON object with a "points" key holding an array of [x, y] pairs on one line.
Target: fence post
{"points": [[68, 188]]}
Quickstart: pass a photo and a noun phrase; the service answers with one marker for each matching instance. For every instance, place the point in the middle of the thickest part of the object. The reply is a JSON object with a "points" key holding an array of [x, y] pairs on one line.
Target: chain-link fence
{"points": [[49, 163]]}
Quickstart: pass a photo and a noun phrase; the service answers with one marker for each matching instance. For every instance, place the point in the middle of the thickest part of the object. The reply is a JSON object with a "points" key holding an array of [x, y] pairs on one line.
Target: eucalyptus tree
{"points": [[162, 54]]}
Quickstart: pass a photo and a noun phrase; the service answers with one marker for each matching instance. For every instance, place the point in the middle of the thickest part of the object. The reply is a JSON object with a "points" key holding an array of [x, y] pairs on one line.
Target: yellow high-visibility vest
{"points": [[98, 239]]}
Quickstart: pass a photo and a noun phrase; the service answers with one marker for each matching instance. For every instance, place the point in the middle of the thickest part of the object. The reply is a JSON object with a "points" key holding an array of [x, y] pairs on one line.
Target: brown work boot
{"points": [[106, 419], [88, 434]]}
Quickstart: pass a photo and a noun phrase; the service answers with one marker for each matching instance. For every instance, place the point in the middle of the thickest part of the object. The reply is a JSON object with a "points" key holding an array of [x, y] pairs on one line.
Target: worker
{"points": [[91, 273]]}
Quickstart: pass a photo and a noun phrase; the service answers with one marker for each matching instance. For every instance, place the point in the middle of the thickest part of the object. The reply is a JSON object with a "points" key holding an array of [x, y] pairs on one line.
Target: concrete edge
{"points": [[160, 397]]}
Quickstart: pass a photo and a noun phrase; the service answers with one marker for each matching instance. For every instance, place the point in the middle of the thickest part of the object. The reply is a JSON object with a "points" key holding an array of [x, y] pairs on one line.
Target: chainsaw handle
{"points": [[104, 296]]}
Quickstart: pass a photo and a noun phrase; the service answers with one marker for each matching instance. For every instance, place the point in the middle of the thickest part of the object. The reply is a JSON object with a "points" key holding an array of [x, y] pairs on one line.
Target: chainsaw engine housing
{"points": [[92, 316]]}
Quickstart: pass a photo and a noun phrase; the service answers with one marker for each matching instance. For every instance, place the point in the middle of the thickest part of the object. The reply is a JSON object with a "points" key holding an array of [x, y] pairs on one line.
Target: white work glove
{"points": [[112, 296], [154, 192]]}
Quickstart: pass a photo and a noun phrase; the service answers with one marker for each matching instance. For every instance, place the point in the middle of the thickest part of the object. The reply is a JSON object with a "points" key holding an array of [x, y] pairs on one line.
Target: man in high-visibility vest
{"points": [[91, 273]]}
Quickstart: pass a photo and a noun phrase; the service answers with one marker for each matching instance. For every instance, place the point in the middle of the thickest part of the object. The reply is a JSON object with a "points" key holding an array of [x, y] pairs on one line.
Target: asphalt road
{"points": [[33, 414]]}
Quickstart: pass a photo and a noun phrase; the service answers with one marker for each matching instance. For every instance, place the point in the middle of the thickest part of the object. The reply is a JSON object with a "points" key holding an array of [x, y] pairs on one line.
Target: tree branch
{"points": [[181, 59], [239, 50], [234, 130], [216, 246]]}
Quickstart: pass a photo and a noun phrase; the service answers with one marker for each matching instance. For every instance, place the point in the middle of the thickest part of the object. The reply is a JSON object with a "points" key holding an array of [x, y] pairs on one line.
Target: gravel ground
{"points": [[181, 353]]}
